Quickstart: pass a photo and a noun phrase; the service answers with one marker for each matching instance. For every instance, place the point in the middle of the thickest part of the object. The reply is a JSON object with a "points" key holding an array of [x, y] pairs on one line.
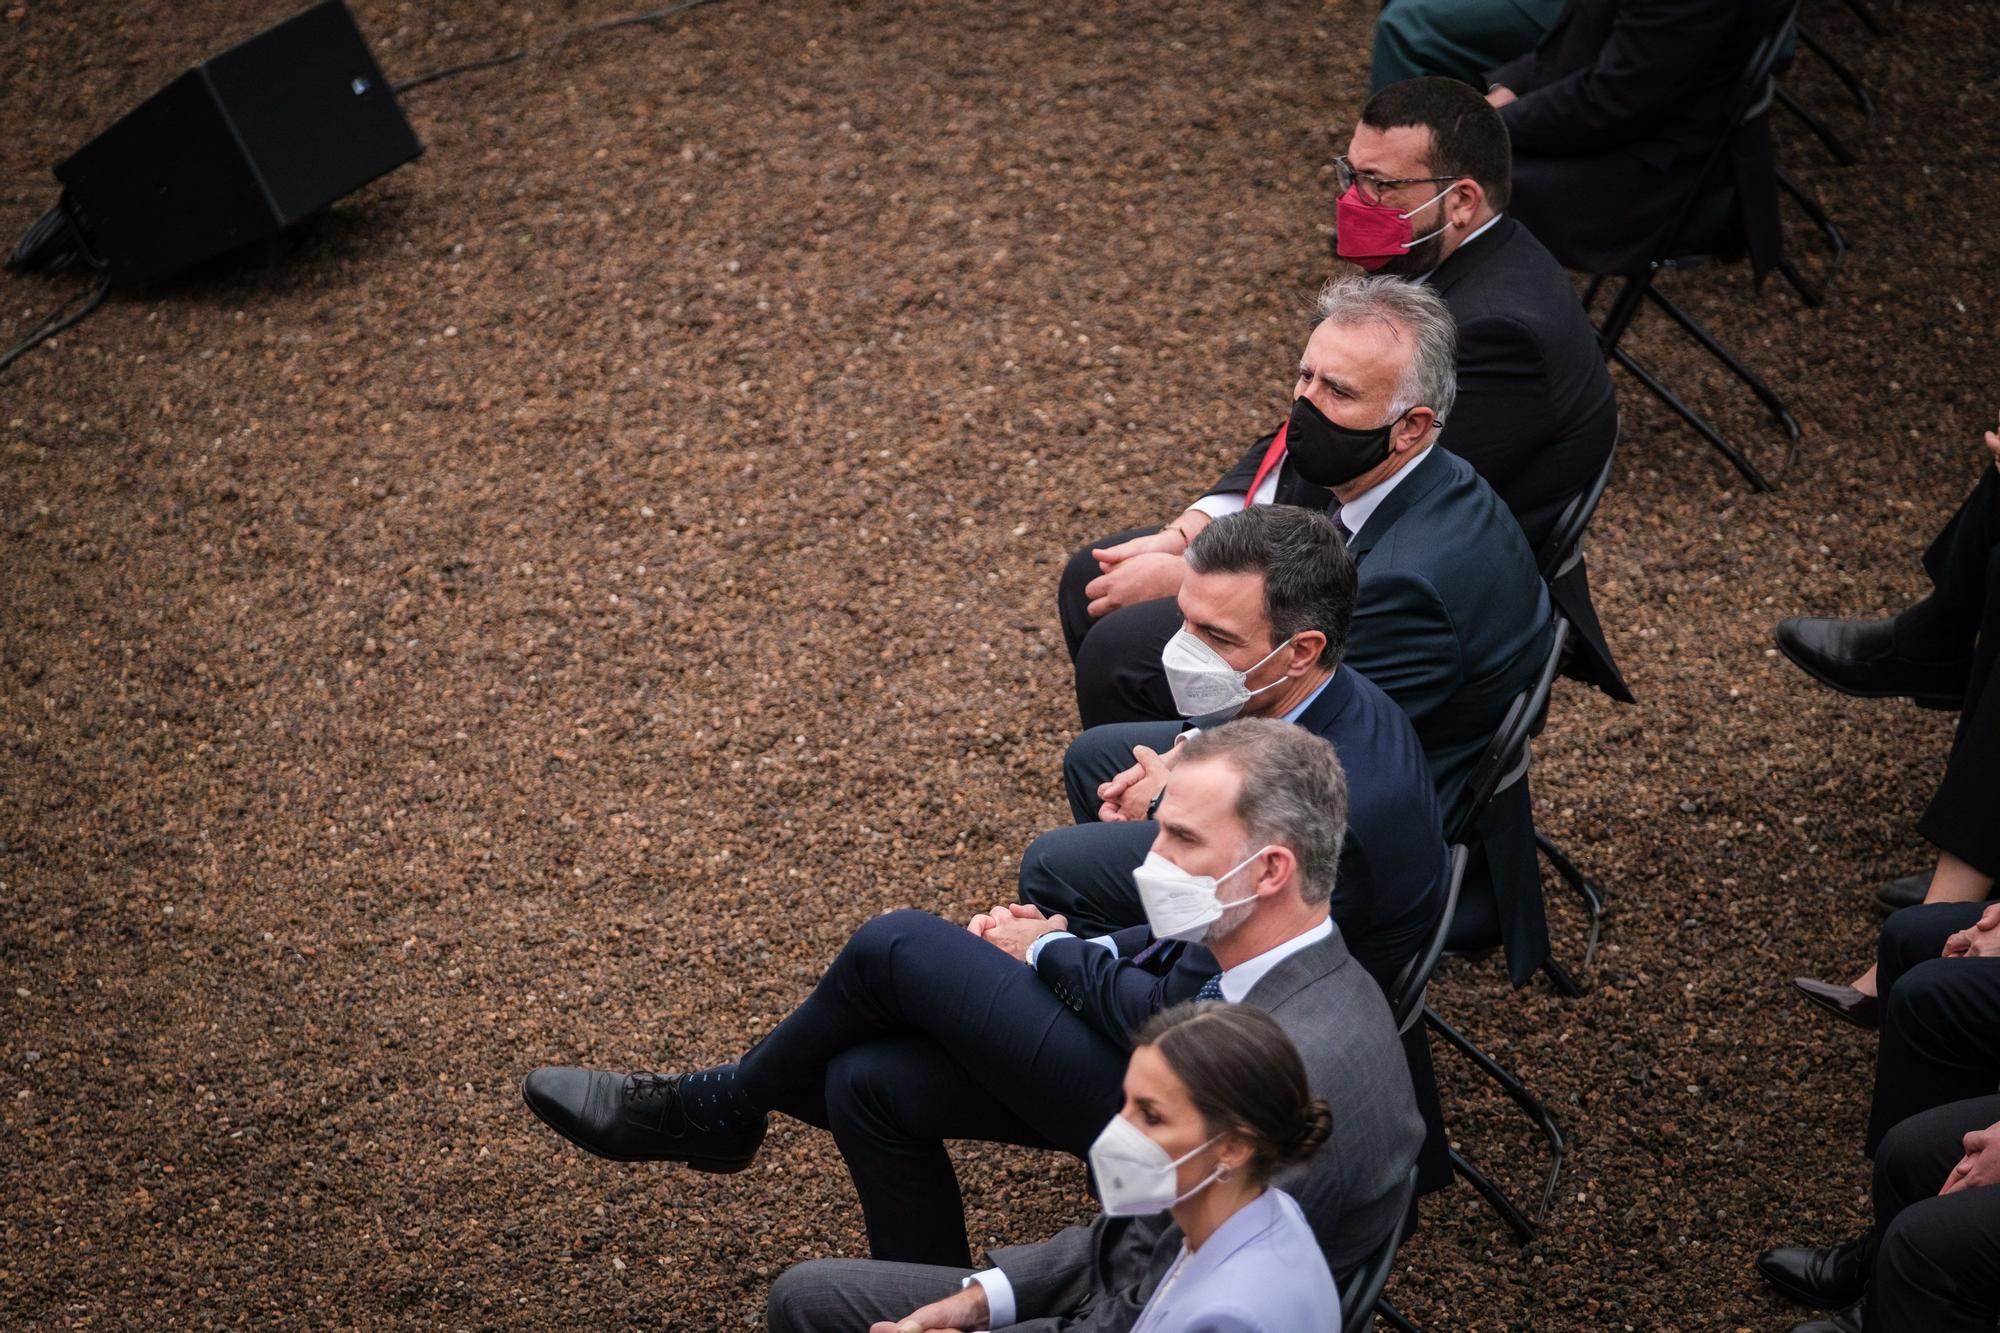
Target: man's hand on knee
{"points": [[1012, 929], [1131, 793], [1128, 581], [1980, 1166], [956, 1313], [1981, 940]]}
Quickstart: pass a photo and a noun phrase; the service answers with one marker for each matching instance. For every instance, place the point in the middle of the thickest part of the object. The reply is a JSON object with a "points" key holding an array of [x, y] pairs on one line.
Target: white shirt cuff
{"points": [[999, 1296], [1035, 946], [1110, 944], [1220, 506]]}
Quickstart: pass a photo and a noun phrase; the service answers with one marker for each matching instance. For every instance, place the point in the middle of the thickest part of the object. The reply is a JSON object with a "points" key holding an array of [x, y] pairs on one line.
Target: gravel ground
{"points": [[537, 612]]}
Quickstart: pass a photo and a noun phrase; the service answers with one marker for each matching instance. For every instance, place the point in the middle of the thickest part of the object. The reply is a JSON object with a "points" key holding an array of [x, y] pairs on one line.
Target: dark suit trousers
{"points": [[1964, 616], [1936, 1259], [1117, 657], [919, 1032], [1940, 1039]]}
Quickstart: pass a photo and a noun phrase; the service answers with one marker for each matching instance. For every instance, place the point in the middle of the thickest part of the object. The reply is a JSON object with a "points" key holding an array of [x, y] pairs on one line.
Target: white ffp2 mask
{"points": [[1135, 1177], [1203, 683], [1179, 905]]}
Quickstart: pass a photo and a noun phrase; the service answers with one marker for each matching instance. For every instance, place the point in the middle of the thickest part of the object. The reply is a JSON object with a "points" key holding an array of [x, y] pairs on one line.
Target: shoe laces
{"points": [[657, 1099]]}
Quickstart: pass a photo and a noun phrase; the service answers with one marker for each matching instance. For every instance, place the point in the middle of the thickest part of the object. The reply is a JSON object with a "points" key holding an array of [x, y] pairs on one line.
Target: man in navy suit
{"points": [[1535, 412], [921, 1031], [1451, 619], [1271, 590]]}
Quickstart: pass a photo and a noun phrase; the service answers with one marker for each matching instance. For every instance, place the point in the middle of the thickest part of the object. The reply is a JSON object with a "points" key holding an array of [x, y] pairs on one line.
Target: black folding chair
{"points": [[1504, 764], [1358, 1299], [1406, 997], [1697, 236], [1561, 552]]}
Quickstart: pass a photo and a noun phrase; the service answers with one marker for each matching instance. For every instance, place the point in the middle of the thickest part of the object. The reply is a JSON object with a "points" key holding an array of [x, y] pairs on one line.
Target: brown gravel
{"points": [[536, 614]]}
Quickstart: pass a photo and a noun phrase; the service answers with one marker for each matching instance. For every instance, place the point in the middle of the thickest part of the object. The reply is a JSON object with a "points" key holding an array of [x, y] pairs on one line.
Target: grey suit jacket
{"points": [[1097, 1277]]}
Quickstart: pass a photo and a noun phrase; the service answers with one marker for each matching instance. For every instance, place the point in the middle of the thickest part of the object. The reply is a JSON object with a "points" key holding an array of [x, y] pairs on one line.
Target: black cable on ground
{"points": [[56, 321], [550, 44]]}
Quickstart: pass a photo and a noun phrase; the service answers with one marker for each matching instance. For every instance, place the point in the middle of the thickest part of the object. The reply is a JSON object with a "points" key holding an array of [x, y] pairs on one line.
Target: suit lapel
{"points": [[1334, 700], [1247, 1225], [1299, 971], [1426, 475], [1468, 256]]}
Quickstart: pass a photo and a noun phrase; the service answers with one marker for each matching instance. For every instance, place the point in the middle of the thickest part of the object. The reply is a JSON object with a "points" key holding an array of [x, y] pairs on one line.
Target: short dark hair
{"points": [[1309, 579], [1468, 136], [1242, 1074]]}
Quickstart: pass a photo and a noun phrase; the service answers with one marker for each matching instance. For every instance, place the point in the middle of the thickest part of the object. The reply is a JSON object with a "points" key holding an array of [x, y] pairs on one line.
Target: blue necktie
{"points": [[1210, 989]]}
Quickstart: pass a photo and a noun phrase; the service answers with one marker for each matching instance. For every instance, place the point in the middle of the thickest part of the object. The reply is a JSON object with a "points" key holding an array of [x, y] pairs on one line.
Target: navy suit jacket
{"points": [[1452, 618], [1536, 415], [1387, 894]]}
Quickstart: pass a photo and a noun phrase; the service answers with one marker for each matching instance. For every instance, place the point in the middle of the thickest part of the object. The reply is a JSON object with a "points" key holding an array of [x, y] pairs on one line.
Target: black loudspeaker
{"points": [[237, 149]]}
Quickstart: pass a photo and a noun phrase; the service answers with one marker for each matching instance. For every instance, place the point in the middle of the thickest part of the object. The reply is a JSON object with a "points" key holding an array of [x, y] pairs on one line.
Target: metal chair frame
{"points": [[1362, 1299], [1752, 100]]}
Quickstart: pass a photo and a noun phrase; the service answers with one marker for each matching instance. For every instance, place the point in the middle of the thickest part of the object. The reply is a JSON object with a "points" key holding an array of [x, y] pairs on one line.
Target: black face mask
{"points": [[1328, 454]]}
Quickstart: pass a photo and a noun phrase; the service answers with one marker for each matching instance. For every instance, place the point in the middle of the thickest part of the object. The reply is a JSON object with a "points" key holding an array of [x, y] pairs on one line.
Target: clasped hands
{"points": [[1144, 569], [1013, 929], [1980, 1166], [1981, 940], [1130, 794]]}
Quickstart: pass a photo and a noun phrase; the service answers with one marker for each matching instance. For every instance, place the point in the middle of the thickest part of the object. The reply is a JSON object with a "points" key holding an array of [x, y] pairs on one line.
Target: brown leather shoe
{"points": [[1843, 1002]]}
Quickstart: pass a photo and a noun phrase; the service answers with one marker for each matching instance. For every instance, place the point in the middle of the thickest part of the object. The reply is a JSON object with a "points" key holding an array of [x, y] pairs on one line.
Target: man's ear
{"points": [[1462, 205], [1412, 430], [1305, 652], [1282, 868]]}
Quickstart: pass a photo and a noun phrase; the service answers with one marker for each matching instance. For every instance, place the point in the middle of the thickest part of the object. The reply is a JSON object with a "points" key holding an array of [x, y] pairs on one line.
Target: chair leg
{"points": [[1841, 152], [1394, 1318], [1694, 419], [1624, 308], [1590, 292], [1593, 898], [1836, 240], [1496, 1198], [1867, 17], [1521, 1097], [1848, 79], [1559, 977], [1692, 327], [1810, 294]]}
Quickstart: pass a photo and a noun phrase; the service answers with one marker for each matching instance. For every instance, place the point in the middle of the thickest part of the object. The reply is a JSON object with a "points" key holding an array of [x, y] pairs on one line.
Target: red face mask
{"points": [[1373, 234]]}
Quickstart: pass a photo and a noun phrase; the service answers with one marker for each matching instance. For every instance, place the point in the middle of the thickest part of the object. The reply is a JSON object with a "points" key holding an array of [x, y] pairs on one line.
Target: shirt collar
{"points": [[1307, 702], [1237, 982], [1354, 514], [1477, 232]]}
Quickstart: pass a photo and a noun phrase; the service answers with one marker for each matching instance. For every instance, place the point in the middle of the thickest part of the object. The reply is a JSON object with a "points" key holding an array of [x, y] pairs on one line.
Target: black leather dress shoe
{"points": [[1826, 1278], [1904, 891], [1859, 657], [1843, 1002], [642, 1118], [1850, 1320]]}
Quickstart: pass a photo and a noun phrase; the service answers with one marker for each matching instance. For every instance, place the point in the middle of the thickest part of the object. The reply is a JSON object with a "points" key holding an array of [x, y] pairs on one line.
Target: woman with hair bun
{"points": [[1216, 1100], [1217, 1094]]}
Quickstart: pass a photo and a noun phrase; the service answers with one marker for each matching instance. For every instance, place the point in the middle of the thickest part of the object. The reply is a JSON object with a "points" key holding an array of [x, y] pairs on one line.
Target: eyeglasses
{"points": [[1373, 186]]}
